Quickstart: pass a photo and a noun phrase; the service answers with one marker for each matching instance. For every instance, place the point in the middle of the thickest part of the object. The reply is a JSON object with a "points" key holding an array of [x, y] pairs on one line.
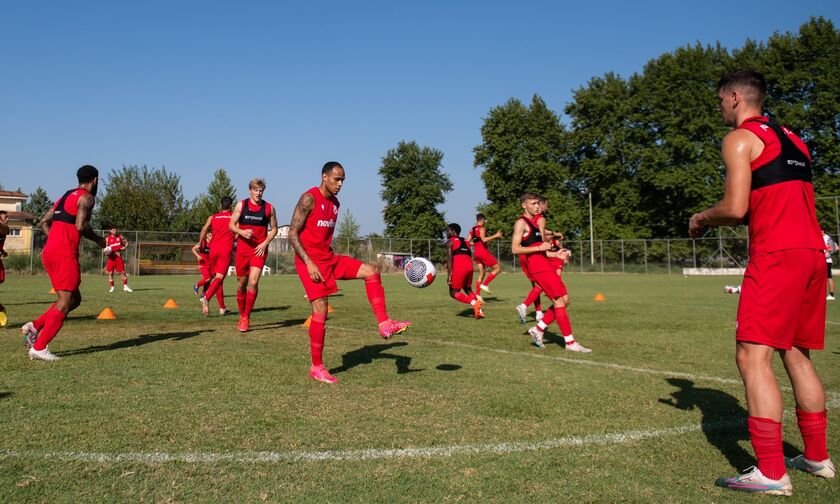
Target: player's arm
{"points": [[203, 234], [516, 242], [4, 226], [195, 252], [46, 221], [730, 211], [83, 212], [234, 223], [448, 262], [485, 238], [302, 210], [261, 249]]}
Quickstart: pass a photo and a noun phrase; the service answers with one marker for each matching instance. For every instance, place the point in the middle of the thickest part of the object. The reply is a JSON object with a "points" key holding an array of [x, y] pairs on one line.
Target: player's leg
{"points": [[348, 267], [317, 333], [830, 282], [109, 268], [480, 275], [488, 261], [53, 320], [121, 269], [215, 286], [251, 291], [533, 297]]}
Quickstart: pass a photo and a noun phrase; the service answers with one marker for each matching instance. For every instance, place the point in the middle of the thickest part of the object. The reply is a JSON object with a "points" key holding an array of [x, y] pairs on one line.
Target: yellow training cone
{"points": [[4, 319], [107, 314], [599, 297], [171, 304]]}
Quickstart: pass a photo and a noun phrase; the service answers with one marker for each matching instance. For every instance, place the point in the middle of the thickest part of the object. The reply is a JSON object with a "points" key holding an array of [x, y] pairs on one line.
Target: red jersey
{"points": [[474, 237], [532, 237], [222, 235], [256, 218], [461, 254], [782, 212], [64, 237], [204, 249], [116, 244], [316, 236]]}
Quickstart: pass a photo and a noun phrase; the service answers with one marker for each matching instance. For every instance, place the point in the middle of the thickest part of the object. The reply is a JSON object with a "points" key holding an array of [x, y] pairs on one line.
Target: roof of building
{"points": [[13, 194], [19, 216]]}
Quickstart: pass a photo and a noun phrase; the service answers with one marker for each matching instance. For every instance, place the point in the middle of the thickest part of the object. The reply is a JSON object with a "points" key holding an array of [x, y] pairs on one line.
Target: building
{"points": [[21, 224]]}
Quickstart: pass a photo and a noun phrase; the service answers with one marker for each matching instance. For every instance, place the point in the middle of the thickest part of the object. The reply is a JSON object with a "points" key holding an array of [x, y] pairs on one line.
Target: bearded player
{"points": [[483, 258], [220, 252], [64, 224], [318, 267], [114, 244], [528, 241], [460, 271], [254, 221]]}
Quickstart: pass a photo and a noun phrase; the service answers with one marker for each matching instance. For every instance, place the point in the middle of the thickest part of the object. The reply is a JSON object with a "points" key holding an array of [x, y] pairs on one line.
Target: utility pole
{"points": [[591, 234]]}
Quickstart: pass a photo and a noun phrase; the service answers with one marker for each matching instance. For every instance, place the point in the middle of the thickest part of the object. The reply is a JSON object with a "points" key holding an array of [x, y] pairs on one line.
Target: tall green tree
{"points": [[349, 227], [413, 185], [38, 203], [524, 149], [207, 204], [143, 198]]}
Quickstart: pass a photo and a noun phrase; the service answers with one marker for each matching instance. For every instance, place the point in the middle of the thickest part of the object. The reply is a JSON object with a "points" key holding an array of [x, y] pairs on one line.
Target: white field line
{"points": [[427, 452], [370, 453]]}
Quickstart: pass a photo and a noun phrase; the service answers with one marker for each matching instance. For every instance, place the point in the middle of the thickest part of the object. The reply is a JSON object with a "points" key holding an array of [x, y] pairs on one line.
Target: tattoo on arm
{"points": [[83, 220], [301, 213]]}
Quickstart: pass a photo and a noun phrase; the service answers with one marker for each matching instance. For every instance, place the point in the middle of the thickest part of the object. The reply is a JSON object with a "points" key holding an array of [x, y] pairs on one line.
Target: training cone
{"points": [[308, 321], [4, 319], [599, 297], [52, 290], [171, 304], [107, 314]]}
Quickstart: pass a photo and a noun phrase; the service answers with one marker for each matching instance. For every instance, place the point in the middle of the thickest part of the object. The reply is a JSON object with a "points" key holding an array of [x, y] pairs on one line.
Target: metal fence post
{"points": [[694, 251], [601, 245], [622, 256], [644, 243], [581, 256], [668, 244]]}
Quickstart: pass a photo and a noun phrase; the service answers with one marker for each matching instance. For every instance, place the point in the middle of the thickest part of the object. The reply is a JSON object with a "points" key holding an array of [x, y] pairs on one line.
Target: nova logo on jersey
{"points": [[326, 223]]}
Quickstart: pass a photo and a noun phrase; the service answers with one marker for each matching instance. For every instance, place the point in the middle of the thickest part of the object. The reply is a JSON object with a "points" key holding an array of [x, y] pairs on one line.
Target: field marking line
{"points": [[369, 453]]}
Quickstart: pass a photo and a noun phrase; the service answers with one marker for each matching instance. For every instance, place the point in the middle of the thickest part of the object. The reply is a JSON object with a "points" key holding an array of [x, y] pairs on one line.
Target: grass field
{"points": [[169, 406]]}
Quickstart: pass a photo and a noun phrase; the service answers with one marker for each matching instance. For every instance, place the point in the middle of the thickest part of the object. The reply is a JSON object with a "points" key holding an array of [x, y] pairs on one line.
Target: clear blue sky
{"points": [[275, 89]]}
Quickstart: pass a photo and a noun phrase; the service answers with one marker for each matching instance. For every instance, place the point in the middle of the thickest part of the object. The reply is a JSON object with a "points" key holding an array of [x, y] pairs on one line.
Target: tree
{"points": [[413, 185], [38, 203], [348, 228], [208, 203], [144, 199], [523, 149]]}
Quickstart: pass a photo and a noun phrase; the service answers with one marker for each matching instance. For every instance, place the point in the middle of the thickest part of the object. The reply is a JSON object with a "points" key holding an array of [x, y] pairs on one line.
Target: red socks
{"points": [[489, 278], [533, 296], [562, 320], [214, 286], [376, 297], [317, 329], [250, 298], [40, 321], [111, 282], [220, 296], [125, 280], [766, 439], [53, 320], [240, 302], [812, 426], [460, 296]]}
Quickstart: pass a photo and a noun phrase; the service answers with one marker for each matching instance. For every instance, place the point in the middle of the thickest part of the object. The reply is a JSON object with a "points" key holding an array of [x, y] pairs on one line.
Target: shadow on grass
{"points": [[724, 420], [141, 289], [31, 303], [278, 325], [269, 309], [5, 395], [447, 367], [368, 354], [143, 339]]}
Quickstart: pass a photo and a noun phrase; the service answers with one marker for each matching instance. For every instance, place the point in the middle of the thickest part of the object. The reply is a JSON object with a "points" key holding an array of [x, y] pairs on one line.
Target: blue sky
{"points": [[275, 89]]}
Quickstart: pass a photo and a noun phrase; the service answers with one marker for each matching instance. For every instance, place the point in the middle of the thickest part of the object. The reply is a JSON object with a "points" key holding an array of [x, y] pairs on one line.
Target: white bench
{"points": [[266, 271]]}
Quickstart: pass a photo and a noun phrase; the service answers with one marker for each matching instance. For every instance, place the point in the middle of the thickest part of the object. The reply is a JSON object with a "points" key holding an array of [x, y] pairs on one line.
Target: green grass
{"points": [[173, 382]]}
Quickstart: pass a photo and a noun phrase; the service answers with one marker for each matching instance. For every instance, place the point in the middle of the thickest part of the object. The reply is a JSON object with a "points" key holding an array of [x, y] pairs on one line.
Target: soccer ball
{"points": [[420, 272]]}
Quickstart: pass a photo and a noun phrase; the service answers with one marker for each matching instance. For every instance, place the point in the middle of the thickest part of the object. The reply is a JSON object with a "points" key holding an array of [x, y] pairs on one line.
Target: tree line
{"points": [[646, 148]]}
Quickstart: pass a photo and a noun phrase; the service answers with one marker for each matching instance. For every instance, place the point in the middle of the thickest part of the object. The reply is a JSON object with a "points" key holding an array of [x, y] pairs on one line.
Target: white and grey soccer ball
{"points": [[420, 272]]}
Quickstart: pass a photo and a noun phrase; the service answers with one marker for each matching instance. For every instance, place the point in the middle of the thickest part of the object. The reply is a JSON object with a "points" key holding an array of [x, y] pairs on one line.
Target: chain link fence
{"points": [[720, 248]]}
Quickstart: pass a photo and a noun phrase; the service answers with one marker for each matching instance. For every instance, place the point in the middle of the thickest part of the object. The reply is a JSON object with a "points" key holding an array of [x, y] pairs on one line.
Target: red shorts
{"points": [[246, 259], [204, 268], [219, 262], [524, 266], [340, 267], [783, 300], [461, 278], [63, 270], [551, 284], [115, 264], [484, 257]]}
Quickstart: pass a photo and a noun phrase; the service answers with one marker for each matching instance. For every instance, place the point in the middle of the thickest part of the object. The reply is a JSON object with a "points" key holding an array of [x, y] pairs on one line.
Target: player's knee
{"points": [[319, 306], [452, 293]]}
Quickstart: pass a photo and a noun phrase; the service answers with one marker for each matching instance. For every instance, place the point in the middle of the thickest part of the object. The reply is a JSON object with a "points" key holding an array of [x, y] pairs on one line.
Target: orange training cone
{"points": [[52, 290], [171, 304], [308, 321], [107, 314], [599, 297]]}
